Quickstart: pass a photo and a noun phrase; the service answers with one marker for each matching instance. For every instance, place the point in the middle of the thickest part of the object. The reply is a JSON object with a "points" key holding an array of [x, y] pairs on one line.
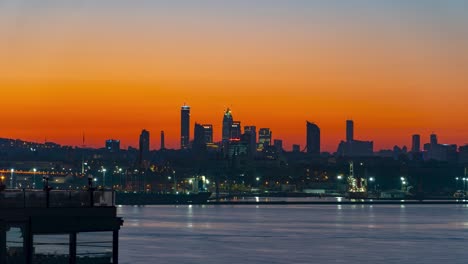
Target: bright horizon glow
{"points": [[109, 69]]}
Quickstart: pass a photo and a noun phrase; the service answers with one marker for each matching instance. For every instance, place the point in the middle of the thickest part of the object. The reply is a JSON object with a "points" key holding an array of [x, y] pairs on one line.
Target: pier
{"points": [[58, 226]]}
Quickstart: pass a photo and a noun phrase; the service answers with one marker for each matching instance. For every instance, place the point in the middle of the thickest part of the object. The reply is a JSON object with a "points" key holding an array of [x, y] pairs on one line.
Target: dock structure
{"points": [[58, 226]]}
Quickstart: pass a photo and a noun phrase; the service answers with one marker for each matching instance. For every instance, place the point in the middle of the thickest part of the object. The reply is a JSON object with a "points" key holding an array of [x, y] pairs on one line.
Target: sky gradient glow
{"points": [[113, 67]]}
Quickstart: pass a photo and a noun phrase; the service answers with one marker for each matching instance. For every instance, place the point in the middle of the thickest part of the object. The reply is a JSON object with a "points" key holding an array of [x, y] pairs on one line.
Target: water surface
{"points": [[294, 234]]}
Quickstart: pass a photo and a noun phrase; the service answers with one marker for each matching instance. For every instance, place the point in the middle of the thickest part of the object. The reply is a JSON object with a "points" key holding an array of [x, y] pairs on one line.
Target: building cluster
{"points": [[250, 142]]}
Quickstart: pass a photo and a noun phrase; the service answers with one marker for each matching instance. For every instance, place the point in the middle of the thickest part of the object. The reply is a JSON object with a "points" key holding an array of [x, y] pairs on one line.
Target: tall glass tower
{"points": [[227, 124], [313, 139], [184, 126]]}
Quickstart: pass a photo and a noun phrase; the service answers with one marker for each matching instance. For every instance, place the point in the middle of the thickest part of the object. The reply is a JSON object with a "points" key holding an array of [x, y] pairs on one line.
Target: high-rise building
{"points": [[184, 126], [352, 147], [349, 130], [313, 139], [163, 144], [199, 143], [144, 146], [434, 139], [235, 131], [251, 131], [264, 138], [227, 124], [416, 145], [113, 145], [278, 143], [208, 132]]}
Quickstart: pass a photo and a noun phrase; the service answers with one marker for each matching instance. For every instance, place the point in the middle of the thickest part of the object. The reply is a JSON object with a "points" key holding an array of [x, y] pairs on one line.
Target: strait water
{"points": [[294, 234]]}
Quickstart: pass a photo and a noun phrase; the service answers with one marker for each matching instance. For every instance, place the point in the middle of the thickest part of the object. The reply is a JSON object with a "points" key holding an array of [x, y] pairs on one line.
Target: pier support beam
{"points": [[115, 247], [72, 250], [3, 242]]}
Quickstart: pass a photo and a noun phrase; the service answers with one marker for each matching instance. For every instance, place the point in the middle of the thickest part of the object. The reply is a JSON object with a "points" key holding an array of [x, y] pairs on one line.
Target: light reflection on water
{"points": [[294, 234]]}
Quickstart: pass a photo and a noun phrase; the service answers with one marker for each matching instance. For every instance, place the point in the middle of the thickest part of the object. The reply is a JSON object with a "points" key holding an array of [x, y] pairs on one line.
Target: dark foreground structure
{"points": [[58, 227]]}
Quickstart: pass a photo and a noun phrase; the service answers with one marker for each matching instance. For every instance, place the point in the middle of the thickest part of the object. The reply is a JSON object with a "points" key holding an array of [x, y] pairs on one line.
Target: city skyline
{"points": [[109, 71], [415, 139]]}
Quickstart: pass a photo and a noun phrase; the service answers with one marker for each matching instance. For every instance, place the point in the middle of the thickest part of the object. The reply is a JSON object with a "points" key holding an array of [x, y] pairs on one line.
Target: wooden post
{"points": [[28, 242], [72, 248], [3, 242], [115, 247]]}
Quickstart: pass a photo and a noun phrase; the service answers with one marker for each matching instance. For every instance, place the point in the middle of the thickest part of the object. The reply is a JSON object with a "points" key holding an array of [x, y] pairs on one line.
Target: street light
{"points": [[34, 179], [11, 178], [104, 178]]}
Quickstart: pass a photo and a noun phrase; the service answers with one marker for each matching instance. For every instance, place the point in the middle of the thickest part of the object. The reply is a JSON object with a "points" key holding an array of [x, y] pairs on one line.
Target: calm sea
{"points": [[295, 234]]}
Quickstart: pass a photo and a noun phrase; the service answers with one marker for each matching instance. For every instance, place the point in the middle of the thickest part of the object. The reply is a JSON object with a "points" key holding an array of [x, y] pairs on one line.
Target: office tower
{"points": [[252, 132], [433, 139], [184, 126], [296, 148], [264, 137], [352, 147], [235, 131], [313, 139], [208, 132], [349, 130], [199, 143], [144, 146], [163, 144], [113, 145], [227, 124], [278, 143], [416, 146]]}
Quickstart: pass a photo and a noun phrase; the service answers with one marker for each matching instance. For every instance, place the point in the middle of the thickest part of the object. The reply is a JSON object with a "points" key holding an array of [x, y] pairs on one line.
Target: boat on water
{"points": [[149, 198]]}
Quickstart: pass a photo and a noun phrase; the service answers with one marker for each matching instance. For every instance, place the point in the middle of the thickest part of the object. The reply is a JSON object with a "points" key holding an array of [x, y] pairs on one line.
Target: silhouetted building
{"points": [[264, 138], [235, 132], [278, 143], [251, 131], [144, 146], [349, 130], [313, 139], [416, 146], [184, 126], [163, 144], [434, 139], [227, 124], [113, 145], [199, 143], [352, 147], [208, 132], [463, 154], [296, 148], [440, 152]]}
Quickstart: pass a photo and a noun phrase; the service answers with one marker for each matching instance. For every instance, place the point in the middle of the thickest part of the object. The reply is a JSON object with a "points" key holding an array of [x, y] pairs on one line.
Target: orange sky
{"points": [[113, 72]]}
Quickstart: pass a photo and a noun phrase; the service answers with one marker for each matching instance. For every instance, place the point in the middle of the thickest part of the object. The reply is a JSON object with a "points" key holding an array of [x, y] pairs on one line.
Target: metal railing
{"points": [[56, 198]]}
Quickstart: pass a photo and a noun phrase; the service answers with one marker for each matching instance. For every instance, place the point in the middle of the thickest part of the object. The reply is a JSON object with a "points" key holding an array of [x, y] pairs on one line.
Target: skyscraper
{"points": [[184, 126], [163, 144], [349, 130], [199, 143], [434, 139], [264, 137], [416, 146], [251, 131], [227, 124], [208, 132], [144, 146], [313, 139], [235, 132]]}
